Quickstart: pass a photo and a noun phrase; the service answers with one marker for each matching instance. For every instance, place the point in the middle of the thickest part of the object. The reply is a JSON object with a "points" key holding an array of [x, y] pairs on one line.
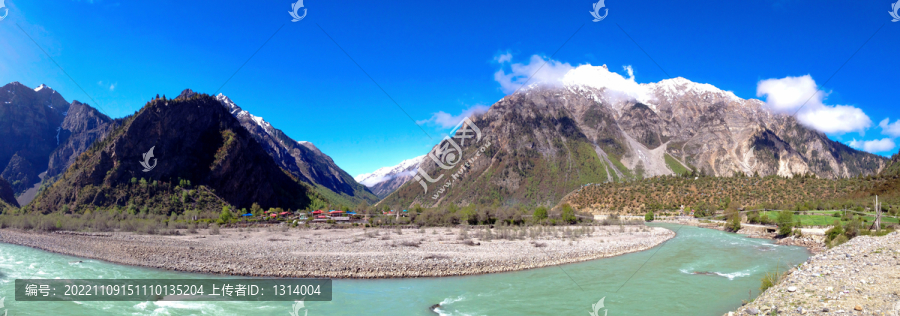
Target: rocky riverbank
{"points": [[351, 253], [812, 238], [860, 277]]}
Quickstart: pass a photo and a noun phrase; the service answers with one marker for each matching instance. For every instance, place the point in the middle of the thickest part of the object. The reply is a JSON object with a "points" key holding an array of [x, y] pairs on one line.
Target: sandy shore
{"points": [[349, 253], [860, 277]]}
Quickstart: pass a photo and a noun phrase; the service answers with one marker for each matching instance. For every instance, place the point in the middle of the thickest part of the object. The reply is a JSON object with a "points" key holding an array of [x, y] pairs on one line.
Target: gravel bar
{"points": [[343, 253]]}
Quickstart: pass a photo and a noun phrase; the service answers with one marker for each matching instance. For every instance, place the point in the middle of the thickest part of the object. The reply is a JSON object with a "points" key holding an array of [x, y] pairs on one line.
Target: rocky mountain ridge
{"points": [[45, 134], [546, 141], [29, 126]]}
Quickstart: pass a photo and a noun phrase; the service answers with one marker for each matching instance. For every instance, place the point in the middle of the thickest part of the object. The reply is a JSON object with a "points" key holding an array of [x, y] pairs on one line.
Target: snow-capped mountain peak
{"points": [[618, 87], [406, 169], [41, 87]]}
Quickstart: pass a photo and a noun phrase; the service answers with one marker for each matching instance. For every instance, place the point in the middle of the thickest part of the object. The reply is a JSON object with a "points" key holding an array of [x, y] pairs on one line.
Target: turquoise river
{"points": [[699, 272]]}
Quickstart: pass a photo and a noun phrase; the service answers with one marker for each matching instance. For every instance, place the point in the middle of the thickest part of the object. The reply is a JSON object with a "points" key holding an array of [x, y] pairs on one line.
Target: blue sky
{"points": [[436, 57]]}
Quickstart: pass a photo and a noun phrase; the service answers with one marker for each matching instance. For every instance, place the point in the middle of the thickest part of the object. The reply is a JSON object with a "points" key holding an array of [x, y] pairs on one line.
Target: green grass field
{"points": [[825, 218], [676, 166]]}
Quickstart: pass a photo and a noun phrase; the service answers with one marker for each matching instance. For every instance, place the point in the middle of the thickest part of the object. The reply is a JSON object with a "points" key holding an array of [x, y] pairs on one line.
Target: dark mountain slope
{"points": [[194, 139], [29, 125], [6, 195]]}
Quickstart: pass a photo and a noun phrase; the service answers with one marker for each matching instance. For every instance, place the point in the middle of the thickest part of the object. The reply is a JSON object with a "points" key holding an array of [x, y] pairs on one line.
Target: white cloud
{"points": [[111, 86], [616, 85], [837, 119], [540, 70], [630, 71], [792, 94], [873, 146], [446, 120], [890, 129], [504, 58]]}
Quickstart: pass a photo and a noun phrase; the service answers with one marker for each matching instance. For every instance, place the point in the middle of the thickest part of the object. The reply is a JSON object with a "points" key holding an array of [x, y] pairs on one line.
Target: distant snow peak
{"points": [[41, 87], [679, 86], [407, 167]]}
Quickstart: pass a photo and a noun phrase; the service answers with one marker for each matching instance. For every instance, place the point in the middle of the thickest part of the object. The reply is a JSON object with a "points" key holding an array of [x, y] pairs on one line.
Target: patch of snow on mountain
{"points": [[407, 167], [237, 112], [41, 87]]}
